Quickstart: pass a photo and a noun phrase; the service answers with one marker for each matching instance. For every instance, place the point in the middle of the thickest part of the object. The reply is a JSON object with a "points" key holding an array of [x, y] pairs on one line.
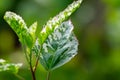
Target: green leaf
{"points": [[59, 48], [57, 20], [18, 25], [5, 66], [32, 31]]}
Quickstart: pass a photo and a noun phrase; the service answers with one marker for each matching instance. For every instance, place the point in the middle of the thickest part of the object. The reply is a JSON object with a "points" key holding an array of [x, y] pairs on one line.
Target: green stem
{"points": [[29, 60], [37, 60], [20, 77], [48, 75], [25, 52]]}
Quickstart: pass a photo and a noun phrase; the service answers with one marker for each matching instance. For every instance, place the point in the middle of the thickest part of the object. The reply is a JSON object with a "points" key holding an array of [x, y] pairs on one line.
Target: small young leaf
{"points": [[32, 30], [4, 66], [60, 47], [57, 20]]}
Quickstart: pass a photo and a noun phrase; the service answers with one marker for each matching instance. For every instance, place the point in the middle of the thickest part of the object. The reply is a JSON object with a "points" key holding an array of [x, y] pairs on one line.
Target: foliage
{"points": [[5, 66], [59, 47], [54, 46]]}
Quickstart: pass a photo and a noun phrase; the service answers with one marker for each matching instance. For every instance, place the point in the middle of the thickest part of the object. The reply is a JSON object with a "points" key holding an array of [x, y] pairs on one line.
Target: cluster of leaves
{"points": [[55, 45], [5, 66]]}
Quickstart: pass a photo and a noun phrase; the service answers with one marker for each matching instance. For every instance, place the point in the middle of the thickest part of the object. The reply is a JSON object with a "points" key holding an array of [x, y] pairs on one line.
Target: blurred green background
{"points": [[97, 27]]}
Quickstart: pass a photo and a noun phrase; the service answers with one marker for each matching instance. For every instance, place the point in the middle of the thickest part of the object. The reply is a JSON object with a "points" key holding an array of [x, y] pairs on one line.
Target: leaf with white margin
{"points": [[32, 30], [5, 66], [59, 48], [18, 25], [53, 23]]}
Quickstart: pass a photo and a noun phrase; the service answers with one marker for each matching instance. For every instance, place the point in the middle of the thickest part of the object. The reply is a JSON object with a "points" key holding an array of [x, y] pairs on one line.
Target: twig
{"points": [[36, 64], [35, 67], [31, 68], [33, 73]]}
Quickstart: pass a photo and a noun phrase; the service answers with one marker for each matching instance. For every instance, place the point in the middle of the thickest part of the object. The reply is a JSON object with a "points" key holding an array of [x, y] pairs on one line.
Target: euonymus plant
{"points": [[53, 46]]}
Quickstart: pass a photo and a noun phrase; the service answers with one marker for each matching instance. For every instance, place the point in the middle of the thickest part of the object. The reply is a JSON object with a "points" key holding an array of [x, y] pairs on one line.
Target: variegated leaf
{"points": [[57, 20], [26, 36], [60, 47], [5, 66]]}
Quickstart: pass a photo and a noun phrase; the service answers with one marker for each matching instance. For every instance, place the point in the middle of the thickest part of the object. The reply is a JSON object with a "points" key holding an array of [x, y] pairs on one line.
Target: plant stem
{"points": [[48, 75], [33, 73], [25, 52], [37, 60], [31, 68], [35, 67], [29, 60], [18, 76]]}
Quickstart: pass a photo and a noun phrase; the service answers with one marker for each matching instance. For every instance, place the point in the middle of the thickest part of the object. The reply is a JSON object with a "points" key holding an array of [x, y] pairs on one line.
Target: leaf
{"points": [[32, 31], [5, 66], [59, 48], [36, 49], [57, 20], [18, 25]]}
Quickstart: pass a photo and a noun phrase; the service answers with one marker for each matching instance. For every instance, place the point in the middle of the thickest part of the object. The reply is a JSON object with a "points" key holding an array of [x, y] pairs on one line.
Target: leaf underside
{"points": [[60, 47]]}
